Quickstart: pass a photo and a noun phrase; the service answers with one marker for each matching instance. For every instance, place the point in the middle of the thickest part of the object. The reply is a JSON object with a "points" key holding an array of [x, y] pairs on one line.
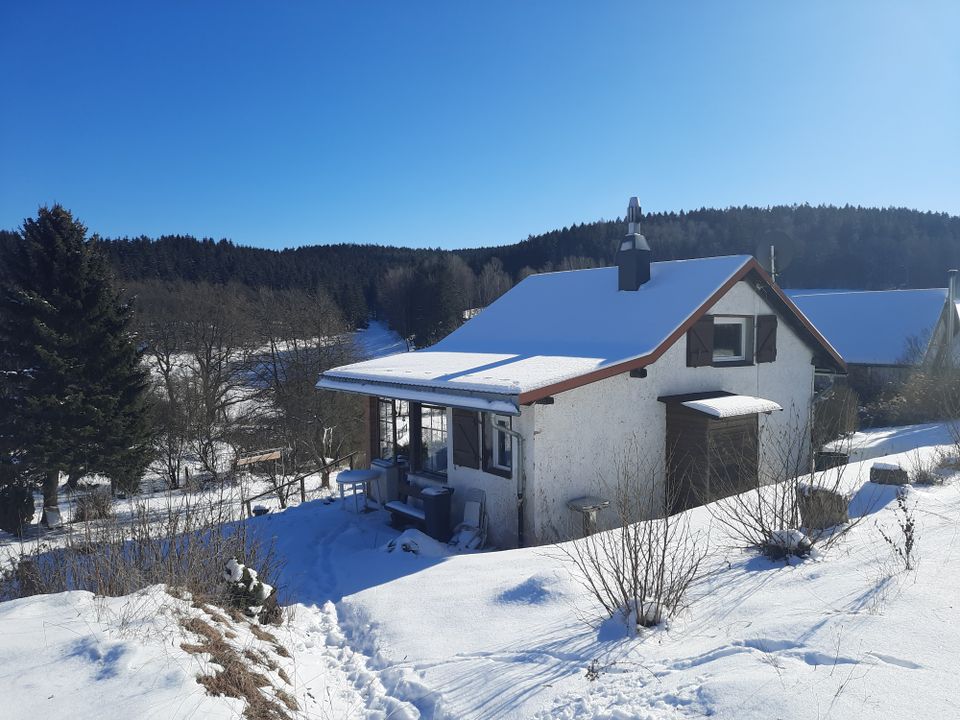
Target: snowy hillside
{"points": [[378, 632]]}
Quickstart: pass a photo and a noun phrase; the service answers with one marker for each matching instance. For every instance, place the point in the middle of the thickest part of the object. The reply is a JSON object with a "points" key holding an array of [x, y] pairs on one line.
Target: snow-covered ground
{"points": [[377, 340], [78, 656], [378, 633]]}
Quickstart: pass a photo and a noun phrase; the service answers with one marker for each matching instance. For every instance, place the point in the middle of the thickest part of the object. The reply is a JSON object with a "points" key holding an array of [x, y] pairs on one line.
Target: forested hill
{"points": [[847, 247], [834, 247]]}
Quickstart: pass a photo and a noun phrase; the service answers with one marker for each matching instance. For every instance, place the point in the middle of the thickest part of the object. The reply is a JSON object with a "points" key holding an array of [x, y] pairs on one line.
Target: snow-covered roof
{"points": [[553, 328], [728, 406], [872, 327]]}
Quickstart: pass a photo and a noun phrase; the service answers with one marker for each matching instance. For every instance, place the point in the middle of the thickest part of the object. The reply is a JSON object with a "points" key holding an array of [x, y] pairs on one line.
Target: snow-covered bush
{"points": [[249, 593], [641, 570], [784, 543], [16, 508]]}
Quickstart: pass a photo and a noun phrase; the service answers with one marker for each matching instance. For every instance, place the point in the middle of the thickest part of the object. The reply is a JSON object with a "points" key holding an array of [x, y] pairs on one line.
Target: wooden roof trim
{"points": [[799, 316], [751, 266]]}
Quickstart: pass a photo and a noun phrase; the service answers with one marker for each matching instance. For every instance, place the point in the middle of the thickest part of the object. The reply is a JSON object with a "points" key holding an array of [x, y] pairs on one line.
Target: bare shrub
{"points": [[183, 545], [96, 504], [924, 395], [923, 468], [641, 570], [903, 545], [782, 514], [835, 414]]}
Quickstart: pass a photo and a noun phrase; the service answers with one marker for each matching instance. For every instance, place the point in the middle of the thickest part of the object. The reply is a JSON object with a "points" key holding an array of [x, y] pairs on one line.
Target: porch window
{"points": [[501, 456], [393, 428], [433, 439]]}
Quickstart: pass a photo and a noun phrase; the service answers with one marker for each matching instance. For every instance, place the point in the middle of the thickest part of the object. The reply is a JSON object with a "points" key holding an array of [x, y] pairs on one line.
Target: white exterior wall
{"points": [[578, 440]]}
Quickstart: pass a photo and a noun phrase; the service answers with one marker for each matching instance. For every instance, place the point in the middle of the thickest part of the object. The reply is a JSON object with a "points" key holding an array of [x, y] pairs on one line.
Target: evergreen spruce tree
{"points": [[73, 394]]}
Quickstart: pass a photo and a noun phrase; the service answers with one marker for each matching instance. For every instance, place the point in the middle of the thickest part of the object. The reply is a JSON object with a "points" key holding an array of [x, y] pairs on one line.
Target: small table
{"points": [[588, 506], [354, 479]]}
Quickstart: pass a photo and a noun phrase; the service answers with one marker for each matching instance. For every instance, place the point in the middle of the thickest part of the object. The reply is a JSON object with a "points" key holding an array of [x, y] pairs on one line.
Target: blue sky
{"points": [[461, 124]]}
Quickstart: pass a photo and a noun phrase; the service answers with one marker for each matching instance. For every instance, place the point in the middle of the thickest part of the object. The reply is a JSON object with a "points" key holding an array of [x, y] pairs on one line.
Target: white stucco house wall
{"points": [[537, 400]]}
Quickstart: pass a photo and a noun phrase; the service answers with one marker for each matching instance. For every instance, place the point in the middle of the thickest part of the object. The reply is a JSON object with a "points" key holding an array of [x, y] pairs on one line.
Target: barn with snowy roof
{"points": [[691, 367]]}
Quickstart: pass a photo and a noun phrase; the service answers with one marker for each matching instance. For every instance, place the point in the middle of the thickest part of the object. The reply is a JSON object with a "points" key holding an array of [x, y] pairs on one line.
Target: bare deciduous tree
{"points": [[217, 336], [493, 282], [793, 507], [303, 335]]}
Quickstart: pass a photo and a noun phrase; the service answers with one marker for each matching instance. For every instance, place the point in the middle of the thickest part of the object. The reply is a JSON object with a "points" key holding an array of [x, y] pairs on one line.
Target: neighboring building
{"points": [[885, 333], [541, 395]]}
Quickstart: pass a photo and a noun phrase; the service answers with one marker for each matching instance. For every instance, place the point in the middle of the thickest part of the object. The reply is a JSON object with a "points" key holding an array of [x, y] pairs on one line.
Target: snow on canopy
{"points": [[728, 406], [552, 327], [872, 327]]}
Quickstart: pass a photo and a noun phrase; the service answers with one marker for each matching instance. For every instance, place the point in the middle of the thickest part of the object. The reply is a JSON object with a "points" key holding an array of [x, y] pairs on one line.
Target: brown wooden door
{"points": [[708, 458]]}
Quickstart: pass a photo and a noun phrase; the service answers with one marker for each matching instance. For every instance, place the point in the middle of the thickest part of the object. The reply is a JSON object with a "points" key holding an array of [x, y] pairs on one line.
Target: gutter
{"points": [[465, 399], [951, 327]]}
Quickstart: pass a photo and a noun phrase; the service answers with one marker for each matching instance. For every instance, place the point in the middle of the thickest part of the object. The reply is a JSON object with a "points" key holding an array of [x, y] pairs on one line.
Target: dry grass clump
{"points": [[262, 634], [183, 546], [96, 504], [237, 674]]}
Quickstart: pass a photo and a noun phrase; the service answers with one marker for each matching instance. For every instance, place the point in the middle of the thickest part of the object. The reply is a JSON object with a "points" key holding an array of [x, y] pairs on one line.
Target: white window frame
{"points": [[744, 329], [496, 422]]}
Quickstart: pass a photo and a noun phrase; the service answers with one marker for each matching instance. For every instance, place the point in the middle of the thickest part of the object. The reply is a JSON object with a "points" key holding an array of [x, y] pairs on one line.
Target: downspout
{"points": [[521, 480], [950, 329]]}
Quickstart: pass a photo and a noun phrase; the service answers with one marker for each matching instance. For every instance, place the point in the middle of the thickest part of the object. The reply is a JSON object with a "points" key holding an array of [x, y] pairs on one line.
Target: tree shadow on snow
{"points": [[328, 552], [494, 684]]}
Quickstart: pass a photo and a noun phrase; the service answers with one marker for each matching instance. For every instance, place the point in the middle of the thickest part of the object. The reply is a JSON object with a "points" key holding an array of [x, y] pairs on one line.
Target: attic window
{"points": [[729, 339]]}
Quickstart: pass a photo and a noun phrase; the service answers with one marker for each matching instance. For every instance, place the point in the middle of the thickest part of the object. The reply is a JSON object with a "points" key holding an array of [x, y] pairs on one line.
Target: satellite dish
{"points": [[776, 252]]}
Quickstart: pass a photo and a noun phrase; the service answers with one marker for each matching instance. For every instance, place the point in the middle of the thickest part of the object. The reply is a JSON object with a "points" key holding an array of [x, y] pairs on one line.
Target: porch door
{"points": [[687, 466]]}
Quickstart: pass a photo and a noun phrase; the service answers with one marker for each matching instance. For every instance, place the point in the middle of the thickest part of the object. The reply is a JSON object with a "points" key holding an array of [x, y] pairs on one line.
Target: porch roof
{"points": [[728, 406], [486, 402]]}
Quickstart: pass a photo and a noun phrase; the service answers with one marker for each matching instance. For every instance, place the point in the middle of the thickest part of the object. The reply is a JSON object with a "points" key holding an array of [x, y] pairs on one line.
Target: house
{"points": [[536, 400], [885, 333], [874, 328]]}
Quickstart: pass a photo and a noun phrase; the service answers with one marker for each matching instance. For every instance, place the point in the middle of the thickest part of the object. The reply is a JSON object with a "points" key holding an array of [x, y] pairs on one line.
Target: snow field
{"points": [[375, 633]]}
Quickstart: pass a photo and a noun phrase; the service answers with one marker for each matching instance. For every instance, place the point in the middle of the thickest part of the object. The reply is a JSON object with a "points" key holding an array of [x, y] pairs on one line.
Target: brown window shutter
{"points": [[766, 338], [700, 343], [466, 438]]}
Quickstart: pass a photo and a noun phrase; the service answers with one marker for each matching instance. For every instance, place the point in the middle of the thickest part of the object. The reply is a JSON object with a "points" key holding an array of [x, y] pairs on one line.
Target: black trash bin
{"points": [[436, 508]]}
